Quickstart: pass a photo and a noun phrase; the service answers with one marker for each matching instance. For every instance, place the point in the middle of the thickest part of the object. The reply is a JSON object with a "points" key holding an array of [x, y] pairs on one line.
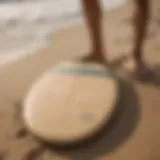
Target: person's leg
{"points": [[93, 15], [141, 24]]}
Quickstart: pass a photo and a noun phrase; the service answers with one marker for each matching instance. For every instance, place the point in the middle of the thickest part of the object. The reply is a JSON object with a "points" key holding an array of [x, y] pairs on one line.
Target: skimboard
{"points": [[70, 102]]}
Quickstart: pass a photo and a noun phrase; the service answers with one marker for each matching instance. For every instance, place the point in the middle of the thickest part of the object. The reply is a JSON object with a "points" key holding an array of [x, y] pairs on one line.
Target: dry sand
{"points": [[136, 133]]}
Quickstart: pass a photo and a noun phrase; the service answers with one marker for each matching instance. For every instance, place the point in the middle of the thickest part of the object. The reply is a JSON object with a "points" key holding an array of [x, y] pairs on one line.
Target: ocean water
{"points": [[26, 25]]}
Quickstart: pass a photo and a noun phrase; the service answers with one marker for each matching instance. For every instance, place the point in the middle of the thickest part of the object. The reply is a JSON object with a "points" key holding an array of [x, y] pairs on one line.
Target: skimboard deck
{"points": [[70, 102]]}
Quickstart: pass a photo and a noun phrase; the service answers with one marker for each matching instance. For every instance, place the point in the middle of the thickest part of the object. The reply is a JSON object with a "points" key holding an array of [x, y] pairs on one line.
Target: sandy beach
{"points": [[136, 134]]}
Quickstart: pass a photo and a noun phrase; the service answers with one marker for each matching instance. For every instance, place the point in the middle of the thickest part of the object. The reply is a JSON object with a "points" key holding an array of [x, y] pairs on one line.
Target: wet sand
{"points": [[135, 132]]}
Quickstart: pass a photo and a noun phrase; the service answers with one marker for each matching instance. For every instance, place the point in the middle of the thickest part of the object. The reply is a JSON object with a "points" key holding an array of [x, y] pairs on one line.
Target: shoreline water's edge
{"points": [[30, 33]]}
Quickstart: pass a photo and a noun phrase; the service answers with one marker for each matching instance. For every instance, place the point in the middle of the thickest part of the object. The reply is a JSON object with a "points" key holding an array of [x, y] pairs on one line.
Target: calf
{"points": [[93, 14]]}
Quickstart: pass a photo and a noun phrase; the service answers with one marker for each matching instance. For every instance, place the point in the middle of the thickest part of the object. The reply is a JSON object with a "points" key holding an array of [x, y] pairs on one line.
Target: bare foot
{"points": [[94, 58]]}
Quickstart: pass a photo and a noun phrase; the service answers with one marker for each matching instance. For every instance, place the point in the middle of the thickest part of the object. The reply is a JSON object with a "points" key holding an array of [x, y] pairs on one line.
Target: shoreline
{"points": [[41, 40]]}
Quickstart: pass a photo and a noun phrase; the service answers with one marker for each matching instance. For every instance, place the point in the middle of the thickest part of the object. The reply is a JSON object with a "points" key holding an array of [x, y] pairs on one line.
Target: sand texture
{"points": [[135, 133]]}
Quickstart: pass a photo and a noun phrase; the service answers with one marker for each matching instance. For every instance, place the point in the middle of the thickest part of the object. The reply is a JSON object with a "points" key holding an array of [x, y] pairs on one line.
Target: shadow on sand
{"points": [[155, 79], [114, 134]]}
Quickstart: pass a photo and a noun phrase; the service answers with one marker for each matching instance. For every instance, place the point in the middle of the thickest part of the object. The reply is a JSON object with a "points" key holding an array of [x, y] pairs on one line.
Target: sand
{"points": [[135, 133]]}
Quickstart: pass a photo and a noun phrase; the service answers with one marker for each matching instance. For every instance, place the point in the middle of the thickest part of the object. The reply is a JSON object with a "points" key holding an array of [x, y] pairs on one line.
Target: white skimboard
{"points": [[70, 102]]}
